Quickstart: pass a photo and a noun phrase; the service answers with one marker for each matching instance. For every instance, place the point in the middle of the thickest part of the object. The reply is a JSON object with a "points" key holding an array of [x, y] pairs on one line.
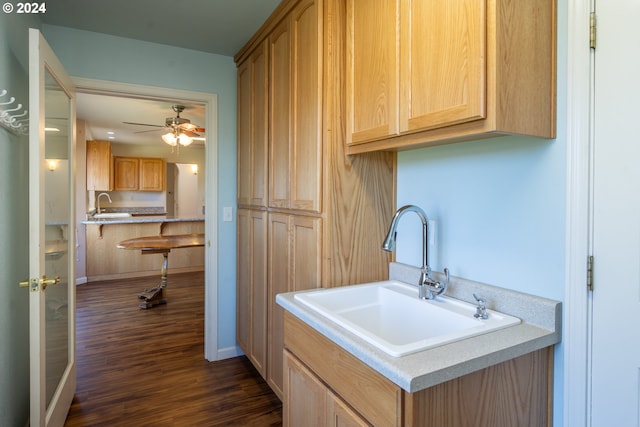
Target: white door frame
{"points": [[577, 347], [210, 100]]}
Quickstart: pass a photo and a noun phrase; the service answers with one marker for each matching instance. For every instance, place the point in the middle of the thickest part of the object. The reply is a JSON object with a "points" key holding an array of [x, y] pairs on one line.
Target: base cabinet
{"points": [[327, 386], [315, 404]]}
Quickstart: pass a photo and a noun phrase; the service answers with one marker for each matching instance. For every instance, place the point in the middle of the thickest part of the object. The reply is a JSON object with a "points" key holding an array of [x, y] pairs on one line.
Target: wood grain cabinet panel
{"points": [[436, 72], [99, 166], [253, 124], [126, 173], [252, 287], [517, 392], [295, 102], [294, 264], [152, 174], [139, 174], [324, 209]]}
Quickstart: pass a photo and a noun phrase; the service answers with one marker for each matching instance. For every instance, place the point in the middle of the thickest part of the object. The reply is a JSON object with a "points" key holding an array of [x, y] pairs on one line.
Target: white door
{"points": [[616, 217], [51, 236]]}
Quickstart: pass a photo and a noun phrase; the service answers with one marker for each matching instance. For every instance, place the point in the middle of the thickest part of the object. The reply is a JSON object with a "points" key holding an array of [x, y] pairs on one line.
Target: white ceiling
{"points": [[103, 114], [213, 26]]}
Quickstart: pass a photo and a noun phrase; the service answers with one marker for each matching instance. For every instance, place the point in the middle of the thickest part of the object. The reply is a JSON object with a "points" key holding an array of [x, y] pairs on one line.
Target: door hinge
{"points": [[590, 272], [592, 30]]}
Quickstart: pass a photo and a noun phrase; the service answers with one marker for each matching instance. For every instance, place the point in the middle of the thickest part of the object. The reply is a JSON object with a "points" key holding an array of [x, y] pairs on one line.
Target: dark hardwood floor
{"points": [[140, 367]]}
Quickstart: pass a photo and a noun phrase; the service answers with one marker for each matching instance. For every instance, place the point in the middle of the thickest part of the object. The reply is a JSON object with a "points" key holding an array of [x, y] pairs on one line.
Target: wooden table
{"points": [[160, 245]]}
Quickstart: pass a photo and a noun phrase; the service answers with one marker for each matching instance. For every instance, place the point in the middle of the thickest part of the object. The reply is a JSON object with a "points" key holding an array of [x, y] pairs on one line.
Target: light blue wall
{"points": [[103, 57], [499, 208], [14, 249]]}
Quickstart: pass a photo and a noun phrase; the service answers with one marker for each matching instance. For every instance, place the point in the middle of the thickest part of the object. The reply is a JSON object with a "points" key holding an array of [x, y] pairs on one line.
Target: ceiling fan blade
{"points": [[199, 129], [143, 124], [190, 133], [152, 130]]}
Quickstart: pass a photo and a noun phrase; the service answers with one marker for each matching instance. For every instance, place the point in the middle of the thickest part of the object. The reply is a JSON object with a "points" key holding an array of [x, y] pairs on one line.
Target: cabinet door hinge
{"points": [[590, 272], [592, 30]]}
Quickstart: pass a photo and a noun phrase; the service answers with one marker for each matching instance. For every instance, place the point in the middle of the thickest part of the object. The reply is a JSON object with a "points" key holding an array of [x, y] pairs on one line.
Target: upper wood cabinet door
{"points": [[372, 85], [99, 166], [280, 115], [295, 106], [306, 101], [442, 63], [252, 128], [423, 73], [126, 173], [152, 174]]}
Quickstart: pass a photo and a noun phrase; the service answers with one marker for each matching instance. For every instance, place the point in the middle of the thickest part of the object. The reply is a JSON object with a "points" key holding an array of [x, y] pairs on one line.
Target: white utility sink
{"points": [[112, 215], [390, 316]]}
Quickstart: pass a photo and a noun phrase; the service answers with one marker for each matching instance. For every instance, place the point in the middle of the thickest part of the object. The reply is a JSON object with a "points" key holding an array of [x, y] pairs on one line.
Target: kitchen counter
{"points": [[540, 328], [135, 219], [105, 261]]}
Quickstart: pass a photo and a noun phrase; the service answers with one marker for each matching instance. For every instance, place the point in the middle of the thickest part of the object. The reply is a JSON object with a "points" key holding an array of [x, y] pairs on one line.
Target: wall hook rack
{"points": [[9, 115]]}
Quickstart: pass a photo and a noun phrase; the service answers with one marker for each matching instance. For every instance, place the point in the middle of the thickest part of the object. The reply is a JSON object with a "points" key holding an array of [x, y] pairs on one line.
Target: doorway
{"points": [[209, 179], [184, 196]]}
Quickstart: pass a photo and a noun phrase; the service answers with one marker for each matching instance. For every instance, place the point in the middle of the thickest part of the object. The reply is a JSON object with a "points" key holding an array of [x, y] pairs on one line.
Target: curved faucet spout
{"points": [[100, 195], [427, 286], [389, 244]]}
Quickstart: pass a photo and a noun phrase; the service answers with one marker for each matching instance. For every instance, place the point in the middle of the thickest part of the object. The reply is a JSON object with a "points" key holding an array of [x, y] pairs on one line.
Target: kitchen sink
{"points": [[112, 215], [390, 316]]}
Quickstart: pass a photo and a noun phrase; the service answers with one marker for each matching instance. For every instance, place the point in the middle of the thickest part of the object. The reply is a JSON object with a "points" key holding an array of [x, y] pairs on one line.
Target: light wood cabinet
{"points": [[138, 174], [324, 209], [294, 265], [252, 128], [126, 173], [99, 166], [320, 374], [152, 174], [252, 287], [295, 158], [436, 72], [315, 404]]}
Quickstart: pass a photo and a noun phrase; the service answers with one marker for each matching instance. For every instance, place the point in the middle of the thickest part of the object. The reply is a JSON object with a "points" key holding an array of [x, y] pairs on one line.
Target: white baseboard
{"points": [[81, 280], [229, 352]]}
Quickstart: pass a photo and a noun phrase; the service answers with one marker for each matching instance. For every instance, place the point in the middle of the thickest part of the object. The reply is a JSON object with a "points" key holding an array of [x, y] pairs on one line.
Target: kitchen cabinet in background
{"points": [[99, 166], [436, 72], [152, 172], [138, 174]]}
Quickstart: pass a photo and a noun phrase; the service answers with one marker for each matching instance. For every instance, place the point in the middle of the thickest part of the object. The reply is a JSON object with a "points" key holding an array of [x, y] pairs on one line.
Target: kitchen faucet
{"points": [[428, 288], [99, 195]]}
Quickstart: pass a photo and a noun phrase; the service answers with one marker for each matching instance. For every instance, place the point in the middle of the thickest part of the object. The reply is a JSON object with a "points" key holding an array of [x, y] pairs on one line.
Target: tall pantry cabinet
{"points": [[308, 215]]}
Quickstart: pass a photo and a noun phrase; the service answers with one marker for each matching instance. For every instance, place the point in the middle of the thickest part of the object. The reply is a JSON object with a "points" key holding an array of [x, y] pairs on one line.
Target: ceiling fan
{"points": [[179, 129]]}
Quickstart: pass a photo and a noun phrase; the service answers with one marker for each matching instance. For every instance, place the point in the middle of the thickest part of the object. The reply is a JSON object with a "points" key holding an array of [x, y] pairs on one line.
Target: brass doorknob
{"points": [[35, 284]]}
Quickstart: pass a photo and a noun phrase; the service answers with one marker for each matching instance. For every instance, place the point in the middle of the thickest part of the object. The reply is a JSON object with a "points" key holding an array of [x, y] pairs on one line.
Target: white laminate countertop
{"points": [[136, 219], [540, 328]]}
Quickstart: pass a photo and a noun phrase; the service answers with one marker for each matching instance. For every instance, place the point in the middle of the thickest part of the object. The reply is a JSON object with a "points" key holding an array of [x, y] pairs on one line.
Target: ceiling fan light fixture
{"points": [[170, 138], [184, 139]]}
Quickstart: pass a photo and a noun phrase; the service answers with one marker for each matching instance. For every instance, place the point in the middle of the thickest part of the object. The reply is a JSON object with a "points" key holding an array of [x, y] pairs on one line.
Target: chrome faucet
{"points": [[428, 288], [98, 198]]}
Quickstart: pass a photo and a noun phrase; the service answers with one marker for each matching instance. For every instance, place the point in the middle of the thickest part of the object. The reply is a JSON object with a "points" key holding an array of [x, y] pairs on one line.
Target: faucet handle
{"points": [[481, 309]]}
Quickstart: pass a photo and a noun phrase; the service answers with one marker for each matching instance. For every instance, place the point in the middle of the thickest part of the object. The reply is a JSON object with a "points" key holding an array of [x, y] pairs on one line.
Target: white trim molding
{"points": [[576, 306]]}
